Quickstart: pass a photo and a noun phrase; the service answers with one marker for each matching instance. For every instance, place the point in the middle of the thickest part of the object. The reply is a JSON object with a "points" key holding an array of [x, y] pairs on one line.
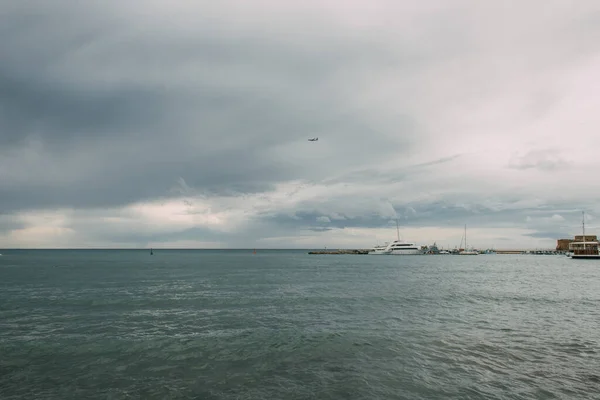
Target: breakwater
{"points": [[363, 251], [351, 251]]}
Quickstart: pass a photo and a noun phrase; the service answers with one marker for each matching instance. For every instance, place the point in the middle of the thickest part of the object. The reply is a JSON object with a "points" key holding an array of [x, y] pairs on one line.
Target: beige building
{"points": [[563, 244]]}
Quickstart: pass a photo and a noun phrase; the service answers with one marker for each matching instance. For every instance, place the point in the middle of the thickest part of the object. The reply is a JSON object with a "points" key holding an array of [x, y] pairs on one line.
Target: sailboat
{"points": [[584, 249], [467, 252]]}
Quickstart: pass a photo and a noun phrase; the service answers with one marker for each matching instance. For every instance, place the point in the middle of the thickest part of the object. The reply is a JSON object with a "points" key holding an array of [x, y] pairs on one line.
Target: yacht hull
{"points": [[407, 252], [585, 256]]}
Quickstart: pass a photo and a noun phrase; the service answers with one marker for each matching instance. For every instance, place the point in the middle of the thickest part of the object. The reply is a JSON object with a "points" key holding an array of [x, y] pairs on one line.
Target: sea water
{"points": [[115, 324]]}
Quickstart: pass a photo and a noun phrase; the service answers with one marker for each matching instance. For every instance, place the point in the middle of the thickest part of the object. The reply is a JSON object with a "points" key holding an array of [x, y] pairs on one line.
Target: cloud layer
{"points": [[142, 123]]}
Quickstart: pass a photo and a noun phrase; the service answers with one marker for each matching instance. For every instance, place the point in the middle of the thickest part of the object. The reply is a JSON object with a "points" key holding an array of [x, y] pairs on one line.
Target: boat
{"points": [[380, 250], [466, 252], [400, 247], [397, 247], [584, 250], [433, 249]]}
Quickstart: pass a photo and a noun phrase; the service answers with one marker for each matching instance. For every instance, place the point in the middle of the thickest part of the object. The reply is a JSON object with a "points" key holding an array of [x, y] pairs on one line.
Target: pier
{"points": [[500, 252], [351, 251]]}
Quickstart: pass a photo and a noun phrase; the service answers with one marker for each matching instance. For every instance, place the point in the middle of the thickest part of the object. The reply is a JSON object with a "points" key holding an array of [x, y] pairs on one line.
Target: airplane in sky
{"points": [[313, 139]]}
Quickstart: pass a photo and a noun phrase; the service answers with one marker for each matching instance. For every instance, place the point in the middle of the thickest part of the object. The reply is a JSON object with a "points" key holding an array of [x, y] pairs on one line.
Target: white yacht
{"points": [[400, 247], [397, 247]]}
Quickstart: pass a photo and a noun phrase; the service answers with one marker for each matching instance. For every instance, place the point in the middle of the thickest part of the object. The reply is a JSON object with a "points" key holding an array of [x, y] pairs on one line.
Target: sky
{"points": [[185, 124]]}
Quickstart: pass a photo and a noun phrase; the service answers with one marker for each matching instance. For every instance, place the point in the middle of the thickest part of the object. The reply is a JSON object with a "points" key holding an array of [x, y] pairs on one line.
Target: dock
{"points": [[507, 252], [352, 251]]}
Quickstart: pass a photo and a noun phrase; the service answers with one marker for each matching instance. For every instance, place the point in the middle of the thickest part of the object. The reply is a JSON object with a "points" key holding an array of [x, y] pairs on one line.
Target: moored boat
{"points": [[397, 247], [466, 252], [584, 249]]}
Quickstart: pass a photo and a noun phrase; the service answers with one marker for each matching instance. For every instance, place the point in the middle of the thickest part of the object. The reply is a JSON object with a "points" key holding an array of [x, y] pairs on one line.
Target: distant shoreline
{"points": [[250, 249]]}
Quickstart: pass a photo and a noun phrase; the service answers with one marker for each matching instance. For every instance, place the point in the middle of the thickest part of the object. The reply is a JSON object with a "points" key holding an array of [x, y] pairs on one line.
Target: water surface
{"points": [[287, 325]]}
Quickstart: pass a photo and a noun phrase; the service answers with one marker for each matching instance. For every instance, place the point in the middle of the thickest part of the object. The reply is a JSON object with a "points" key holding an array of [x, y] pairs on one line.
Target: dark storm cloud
{"points": [[77, 74], [63, 117], [146, 108], [115, 180]]}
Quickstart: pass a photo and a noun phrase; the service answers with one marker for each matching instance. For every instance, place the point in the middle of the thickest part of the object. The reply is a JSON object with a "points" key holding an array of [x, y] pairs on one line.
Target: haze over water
{"points": [[287, 325]]}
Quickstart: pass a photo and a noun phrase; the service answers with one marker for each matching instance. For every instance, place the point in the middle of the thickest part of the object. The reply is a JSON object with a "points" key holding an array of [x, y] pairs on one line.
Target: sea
{"points": [[283, 324]]}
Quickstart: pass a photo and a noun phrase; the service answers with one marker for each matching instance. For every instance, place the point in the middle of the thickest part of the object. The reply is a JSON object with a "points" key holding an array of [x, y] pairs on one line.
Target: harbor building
{"points": [[563, 244]]}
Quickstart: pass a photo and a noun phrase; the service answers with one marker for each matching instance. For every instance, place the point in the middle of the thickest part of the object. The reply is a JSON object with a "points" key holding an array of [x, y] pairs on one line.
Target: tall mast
{"points": [[583, 227], [466, 249], [397, 229]]}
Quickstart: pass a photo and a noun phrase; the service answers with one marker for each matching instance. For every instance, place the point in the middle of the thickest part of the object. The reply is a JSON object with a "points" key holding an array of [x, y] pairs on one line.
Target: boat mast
{"points": [[583, 227], [397, 229], [466, 249]]}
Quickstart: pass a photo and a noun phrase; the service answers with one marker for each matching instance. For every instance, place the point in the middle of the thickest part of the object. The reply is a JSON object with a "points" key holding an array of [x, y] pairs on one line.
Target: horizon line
{"points": [[332, 248]]}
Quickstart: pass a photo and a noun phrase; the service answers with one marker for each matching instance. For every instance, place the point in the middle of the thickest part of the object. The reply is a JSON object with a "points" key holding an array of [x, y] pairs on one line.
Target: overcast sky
{"points": [[148, 123]]}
